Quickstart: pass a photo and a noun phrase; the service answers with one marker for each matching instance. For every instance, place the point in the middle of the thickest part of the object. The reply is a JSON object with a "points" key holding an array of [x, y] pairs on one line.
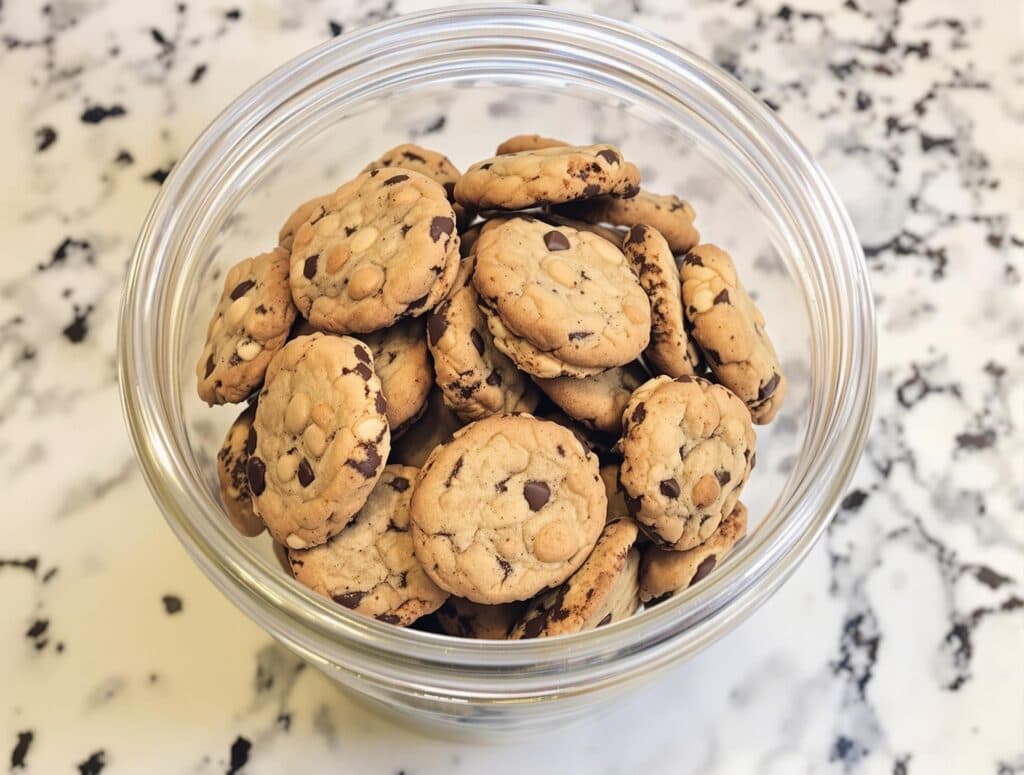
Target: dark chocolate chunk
{"points": [[400, 483], [368, 466], [306, 475], [256, 470], [555, 240], [607, 618], [669, 488], [766, 390], [722, 297], [242, 288], [639, 413], [536, 494], [437, 324], [441, 225], [309, 268], [395, 179], [477, 341], [349, 599], [706, 566], [609, 156], [723, 477]]}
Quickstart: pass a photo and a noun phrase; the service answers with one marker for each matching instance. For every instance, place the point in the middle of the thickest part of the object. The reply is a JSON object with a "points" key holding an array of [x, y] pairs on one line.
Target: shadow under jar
{"points": [[461, 80]]}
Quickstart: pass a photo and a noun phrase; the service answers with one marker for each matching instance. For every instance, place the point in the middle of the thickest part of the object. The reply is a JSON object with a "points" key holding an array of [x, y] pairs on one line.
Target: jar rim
{"points": [[428, 663]]}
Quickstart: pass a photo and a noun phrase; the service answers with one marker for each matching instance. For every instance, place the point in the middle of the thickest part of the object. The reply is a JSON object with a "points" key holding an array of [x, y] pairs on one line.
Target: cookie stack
{"points": [[511, 403]]}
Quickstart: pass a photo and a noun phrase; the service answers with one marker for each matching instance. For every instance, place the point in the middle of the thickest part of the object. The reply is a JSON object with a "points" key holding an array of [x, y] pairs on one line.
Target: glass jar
{"points": [[460, 80]]}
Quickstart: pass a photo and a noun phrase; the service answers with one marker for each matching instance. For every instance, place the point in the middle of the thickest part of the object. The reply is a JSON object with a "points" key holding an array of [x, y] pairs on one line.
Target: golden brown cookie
{"points": [[670, 215]]}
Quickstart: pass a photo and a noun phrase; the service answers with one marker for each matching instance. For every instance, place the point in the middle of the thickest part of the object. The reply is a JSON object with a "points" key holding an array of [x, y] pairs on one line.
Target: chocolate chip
{"points": [[494, 378], [309, 268], [555, 240], [506, 567], [636, 235], [441, 225], [400, 484], [639, 413], [455, 472], [536, 494], [502, 486], [388, 618], [395, 179], [669, 488], [607, 618], [381, 403], [241, 289], [256, 470], [363, 371], [367, 467], [577, 335], [633, 505], [406, 228], [350, 230], [561, 450], [609, 156], [413, 157], [722, 298], [723, 477], [630, 191], [703, 569], [250, 441], [209, 367], [349, 599], [363, 354], [477, 340], [591, 190], [437, 324], [306, 475], [692, 260], [766, 390]]}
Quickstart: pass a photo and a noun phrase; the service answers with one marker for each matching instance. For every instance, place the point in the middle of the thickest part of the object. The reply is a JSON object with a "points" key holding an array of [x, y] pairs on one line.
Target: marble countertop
{"points": [[895, 648]]}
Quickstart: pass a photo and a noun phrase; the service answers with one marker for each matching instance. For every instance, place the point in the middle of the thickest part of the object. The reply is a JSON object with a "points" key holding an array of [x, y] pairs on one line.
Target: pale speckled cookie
{"points": [[466, 619], [604, 589], [433, 164], [687, 446], [321, 439], [234, 484], [382, 248], [663, 572], [475, 377], [670, 215], [670, 352], [510, 506], [299, 216], [520, 143], [437, 425], [729, 328], [543, 176], [370, 566], [249, 325], [597, 402], [402, 362], [568, 294]]}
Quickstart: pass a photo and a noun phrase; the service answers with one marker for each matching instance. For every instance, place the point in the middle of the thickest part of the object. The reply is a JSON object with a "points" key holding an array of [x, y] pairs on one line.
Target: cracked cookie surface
{"points": [[729, 328], [687, 447], [321, 436], [383, 247], [370, 566], [604, 590], [510, 506], [249, 325], [234, 484], [569, 295]]}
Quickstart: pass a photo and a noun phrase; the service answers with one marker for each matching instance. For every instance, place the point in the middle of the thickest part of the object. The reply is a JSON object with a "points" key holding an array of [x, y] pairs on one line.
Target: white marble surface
{"points": [[896, 648]]}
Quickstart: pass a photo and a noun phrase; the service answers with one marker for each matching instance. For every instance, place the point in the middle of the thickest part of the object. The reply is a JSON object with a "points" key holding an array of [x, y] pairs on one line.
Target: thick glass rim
{"points": [[842, 361]]}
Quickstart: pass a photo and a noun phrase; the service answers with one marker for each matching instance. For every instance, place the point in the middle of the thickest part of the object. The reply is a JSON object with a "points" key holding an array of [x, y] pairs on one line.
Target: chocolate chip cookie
{"points": [[517, 181], [384, 247], [596, 401], [602, 591], [434, 165], [370, 566], [475, 377], [687, 446], [729, 329], [321, 436], [510, 506], [402, 362], [437, 425], [569, 295], [234, 484], [670, 215], [663, 572], [313, 209], [670, 351], [466, 619], [249, 325]]}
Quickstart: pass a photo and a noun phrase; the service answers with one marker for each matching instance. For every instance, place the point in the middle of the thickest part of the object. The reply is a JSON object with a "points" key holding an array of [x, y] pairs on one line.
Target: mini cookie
{"points": [[476, 378], [596, 401], [517, 181], [466, 619], [520, 143], [434, 165], [437, 426], [663, 572], [383, 247], [234, 485], [249, 325], [370, 566], [569, 294], [670, 351], [299, 216], [321, 436], [687, 446], [510, 506], [602, 591], [729, 329], [402, 362], [670, 215]]}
